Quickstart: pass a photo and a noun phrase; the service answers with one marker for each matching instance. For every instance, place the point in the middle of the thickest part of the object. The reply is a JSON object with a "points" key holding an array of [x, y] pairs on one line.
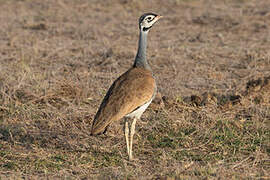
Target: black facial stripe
{"points": [[145, 15], [146, 28], [149, 19]]}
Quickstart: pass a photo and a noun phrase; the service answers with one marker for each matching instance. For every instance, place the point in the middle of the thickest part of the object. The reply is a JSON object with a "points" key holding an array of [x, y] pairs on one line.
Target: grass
{"points": [[210, 119]]}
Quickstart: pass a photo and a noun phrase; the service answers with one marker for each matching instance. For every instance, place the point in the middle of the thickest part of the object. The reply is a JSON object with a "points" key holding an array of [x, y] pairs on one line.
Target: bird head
{"points": [[147, 20]]}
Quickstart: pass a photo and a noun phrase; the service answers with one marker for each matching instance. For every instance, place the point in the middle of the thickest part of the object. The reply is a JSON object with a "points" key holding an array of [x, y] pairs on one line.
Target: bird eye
{"points": [[148, 19]]}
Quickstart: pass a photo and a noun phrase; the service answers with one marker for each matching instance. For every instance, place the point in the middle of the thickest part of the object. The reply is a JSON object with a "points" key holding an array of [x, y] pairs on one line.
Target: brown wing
{"points": [[131, 90]]}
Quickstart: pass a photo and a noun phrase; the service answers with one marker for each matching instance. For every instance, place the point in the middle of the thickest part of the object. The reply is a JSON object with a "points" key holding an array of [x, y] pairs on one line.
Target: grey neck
{"points": [[140, 60]]}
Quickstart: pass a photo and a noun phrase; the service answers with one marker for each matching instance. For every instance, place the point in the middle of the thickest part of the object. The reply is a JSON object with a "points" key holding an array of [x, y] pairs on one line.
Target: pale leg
{"points": [[132, 132], [127, 134]]}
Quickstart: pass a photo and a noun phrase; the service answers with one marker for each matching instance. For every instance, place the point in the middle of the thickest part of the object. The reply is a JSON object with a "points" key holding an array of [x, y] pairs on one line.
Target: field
{"points": [[210, 119]]}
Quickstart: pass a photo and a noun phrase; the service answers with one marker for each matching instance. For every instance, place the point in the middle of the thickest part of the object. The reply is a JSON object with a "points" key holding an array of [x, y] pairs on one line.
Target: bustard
{"points": [[132, 92]]}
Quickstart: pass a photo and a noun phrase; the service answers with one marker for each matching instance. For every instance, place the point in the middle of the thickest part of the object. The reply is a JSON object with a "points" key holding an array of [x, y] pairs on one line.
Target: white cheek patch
{"points": [[147, 24], [144, 24]]}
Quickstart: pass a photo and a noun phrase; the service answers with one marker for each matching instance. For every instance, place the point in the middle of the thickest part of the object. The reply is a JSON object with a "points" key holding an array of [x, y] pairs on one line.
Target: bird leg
{"points": [[132, 132], [127, 134]]}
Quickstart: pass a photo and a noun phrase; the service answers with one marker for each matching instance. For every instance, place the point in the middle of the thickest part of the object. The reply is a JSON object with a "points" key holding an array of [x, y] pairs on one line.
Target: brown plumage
{"points": [[131, 90]]}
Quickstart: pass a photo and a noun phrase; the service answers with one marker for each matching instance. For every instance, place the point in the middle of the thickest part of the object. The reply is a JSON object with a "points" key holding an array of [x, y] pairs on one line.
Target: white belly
{"points": [[138, 112]]}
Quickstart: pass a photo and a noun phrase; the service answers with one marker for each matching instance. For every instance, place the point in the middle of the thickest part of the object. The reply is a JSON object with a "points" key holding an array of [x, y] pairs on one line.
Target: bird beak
{"points": [[158, 17]]}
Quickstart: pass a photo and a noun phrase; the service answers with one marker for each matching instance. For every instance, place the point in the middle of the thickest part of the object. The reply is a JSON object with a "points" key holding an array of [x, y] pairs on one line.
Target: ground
{"points": [[210, 119]]}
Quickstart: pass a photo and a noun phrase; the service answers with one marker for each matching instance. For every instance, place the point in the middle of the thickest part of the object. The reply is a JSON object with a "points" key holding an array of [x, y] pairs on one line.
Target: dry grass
{"points": [[212, 64]]}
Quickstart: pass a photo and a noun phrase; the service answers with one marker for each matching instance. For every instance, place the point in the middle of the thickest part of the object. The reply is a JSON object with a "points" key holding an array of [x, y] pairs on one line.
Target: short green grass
{"points": [[57, 59], [223, 142]]}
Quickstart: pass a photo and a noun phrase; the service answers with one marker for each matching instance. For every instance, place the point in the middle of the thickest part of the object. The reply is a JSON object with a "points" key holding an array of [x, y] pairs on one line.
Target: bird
{"points": [[131, 93]]}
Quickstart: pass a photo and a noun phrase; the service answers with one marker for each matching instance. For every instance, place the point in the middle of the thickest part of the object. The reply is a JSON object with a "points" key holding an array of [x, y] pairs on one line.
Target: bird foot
{"points": [[133, 159], [143, 122]]}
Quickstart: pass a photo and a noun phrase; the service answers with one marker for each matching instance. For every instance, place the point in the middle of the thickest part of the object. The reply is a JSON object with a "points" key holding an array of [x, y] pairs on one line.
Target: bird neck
{"points": [[140, 60]]}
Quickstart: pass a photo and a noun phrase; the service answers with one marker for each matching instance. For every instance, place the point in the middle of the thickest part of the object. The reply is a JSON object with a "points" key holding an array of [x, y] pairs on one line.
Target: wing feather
{"points": [[130, 91]]}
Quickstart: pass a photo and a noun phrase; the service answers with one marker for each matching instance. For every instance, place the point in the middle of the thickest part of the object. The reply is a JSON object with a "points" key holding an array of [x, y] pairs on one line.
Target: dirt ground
{"points": [[211, 117]]}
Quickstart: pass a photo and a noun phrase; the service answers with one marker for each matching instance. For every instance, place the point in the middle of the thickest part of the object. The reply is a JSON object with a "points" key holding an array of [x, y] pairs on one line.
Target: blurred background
{"points": [[212, 65]]}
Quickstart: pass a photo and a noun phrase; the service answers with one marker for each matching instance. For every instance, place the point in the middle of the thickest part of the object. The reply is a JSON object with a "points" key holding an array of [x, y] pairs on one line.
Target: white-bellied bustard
{"points": [[132, 92]]}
